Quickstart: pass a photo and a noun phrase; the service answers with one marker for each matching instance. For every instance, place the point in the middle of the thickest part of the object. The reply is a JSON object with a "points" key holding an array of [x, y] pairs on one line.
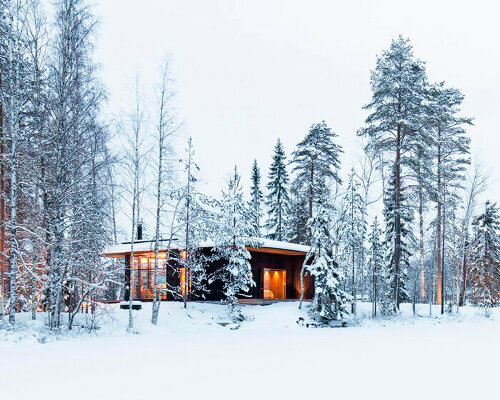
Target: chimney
{"points": [[139, 231]]}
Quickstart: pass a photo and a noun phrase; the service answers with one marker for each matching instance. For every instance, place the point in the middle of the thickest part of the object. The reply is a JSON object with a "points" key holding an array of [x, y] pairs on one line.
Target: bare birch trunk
{"points": [[161, 149]]}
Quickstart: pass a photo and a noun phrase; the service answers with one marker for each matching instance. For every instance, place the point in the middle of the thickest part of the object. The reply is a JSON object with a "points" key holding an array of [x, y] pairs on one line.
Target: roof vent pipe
{"points": [[139, 231]]}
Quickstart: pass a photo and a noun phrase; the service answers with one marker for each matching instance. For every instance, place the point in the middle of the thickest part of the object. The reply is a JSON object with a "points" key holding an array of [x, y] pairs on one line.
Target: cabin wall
{"points": [[292, 264]]}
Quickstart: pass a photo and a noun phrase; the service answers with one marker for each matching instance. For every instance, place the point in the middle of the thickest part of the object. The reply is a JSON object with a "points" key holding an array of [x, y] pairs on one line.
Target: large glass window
{"points": [[143, 276]]}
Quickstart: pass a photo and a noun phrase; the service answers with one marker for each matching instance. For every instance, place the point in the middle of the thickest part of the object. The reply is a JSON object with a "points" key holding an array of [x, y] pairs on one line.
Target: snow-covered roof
{"points": [[267, 245]]}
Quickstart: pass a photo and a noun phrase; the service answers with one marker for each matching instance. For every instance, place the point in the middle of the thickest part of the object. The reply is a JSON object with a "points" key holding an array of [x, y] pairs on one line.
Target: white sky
{"points": [[248, 72]]}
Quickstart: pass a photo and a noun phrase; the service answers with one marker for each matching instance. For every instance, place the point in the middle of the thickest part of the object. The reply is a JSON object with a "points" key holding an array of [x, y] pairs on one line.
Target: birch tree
{"points": [[135, 160], [165, 128]]}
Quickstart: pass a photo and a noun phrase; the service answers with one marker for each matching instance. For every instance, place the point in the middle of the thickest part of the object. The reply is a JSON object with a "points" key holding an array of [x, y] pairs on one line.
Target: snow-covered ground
{"points": [[190, 355]]}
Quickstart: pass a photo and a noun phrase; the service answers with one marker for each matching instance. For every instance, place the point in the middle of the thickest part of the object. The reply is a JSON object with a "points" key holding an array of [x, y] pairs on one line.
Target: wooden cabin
{"points": [[275, 266]]}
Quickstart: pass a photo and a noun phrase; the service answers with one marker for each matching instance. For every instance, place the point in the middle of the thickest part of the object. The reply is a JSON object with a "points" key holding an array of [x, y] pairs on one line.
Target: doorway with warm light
{"points": [[274, 283]]}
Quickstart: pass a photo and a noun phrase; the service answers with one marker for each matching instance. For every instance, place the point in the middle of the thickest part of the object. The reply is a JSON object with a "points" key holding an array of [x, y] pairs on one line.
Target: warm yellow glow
{"points": [[274, 283], [183, 280], [184, 255]]}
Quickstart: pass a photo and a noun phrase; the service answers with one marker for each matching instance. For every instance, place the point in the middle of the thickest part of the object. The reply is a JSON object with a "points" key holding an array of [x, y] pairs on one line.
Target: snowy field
{"points": [[190, 355]]}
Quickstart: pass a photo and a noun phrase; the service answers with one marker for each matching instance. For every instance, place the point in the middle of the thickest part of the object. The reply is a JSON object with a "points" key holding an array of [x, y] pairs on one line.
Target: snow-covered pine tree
{"points": [[232, 235], [395, 280], [376, 262], [485, 257], [354, 232], [298, 215], [398, 86], [196, 223], [330, 301], [451, 149], [277, 199], [256, 200], [316, 161]]}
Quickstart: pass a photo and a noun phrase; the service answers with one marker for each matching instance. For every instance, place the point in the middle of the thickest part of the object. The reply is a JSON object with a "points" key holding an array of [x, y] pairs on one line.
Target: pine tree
{"points": [[485, 257], [277, 198], [231, 238], [316, 161], [330, 301], [376, 262], [398, 96], [256, 199], [451, 146], [396, 279]]}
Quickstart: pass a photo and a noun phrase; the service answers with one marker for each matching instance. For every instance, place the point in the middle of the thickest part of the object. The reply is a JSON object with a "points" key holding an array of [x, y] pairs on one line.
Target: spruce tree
{"points": [[231, 238], [256, 199], [193, 219], [398, 116], [278, 197], [396, 279], [298, 216], [316, 161], [485, 257], [376, 262], [330, 301], [354, 231]]}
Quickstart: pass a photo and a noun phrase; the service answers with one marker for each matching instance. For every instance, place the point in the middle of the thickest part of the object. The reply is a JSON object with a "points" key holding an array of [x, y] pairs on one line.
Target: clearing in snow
{"points": [[199, 353]]}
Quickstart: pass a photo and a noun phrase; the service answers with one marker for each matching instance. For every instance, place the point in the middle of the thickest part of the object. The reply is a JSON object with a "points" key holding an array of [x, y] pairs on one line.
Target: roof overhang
{"points": [[147, 247]]}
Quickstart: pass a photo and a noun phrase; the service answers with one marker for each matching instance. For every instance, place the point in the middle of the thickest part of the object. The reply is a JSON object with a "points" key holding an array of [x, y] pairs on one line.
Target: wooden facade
{"points": [[275, 271]]}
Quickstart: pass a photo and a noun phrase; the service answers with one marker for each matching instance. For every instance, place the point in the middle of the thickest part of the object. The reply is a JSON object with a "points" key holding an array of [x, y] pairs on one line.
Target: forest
{"points": [[408, 225]]}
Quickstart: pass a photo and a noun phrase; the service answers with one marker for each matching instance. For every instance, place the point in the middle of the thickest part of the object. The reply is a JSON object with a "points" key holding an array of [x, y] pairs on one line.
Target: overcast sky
{"points": [[249, 72]]}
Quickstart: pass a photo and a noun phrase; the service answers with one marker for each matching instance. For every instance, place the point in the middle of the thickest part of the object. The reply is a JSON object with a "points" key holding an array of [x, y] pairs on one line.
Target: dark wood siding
{"points": [[259, 261]]}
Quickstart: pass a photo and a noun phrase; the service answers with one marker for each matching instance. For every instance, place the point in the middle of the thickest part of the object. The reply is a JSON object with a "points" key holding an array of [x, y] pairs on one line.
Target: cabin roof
{"points": [[147, 246]]}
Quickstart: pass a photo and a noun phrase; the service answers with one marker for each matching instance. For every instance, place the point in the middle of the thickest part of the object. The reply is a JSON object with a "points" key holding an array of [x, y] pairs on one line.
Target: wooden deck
{"points": [[265, 302]]}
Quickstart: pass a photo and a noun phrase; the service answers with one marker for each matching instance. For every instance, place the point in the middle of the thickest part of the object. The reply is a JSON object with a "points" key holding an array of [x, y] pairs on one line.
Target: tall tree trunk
{"points": [[397, 222], [154, 315], [421, 239], [2, 213], [442, 255], [311, 191], [464, 271], [302, 271], [353, 251], [187, 231], [13, 191], [374, 283], [438, 225], [131, 274]]}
